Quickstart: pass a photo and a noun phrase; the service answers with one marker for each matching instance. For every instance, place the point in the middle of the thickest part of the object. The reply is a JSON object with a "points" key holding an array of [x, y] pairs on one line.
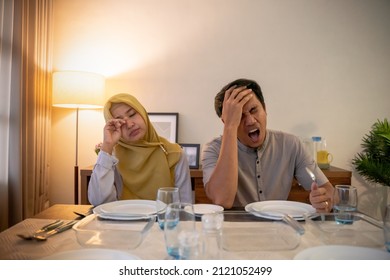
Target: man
{"points": [[251, 163]]}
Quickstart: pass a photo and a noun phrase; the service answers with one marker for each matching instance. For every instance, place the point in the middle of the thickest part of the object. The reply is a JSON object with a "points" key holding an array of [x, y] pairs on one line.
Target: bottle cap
{"points": [[316, 138]]}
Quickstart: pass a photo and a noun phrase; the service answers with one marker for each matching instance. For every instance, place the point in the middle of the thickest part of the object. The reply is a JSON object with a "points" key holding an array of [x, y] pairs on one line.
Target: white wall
{"points": [[323, 66]]}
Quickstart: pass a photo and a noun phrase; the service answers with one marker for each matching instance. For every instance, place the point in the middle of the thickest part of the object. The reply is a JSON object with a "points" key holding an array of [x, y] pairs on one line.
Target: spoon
{"points": [[45, 228], [56, 230]]}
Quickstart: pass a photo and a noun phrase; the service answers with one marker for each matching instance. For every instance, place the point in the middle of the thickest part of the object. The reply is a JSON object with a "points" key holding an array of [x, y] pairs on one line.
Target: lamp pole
{"points": [[76, 166], [80, 90]]}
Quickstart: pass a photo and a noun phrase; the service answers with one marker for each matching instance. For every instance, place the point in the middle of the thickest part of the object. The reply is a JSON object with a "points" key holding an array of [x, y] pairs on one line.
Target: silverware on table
{"points": [[311, 174], [83, 215], [43, 229], [313, 177], [45, 235]]}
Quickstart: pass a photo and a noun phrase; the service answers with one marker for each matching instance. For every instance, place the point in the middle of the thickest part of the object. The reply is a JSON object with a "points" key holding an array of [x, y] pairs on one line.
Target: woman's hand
{"points": [[112, 134]]}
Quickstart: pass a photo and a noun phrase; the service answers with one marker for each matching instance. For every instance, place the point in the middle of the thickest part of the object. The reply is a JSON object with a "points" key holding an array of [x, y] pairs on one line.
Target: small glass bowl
{"points": [[93, 231], [262, 235], [361, 230]]}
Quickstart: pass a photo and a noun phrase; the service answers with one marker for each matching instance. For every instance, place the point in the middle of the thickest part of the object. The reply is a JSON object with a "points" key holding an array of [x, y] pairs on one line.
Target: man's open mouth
{"points": [[254, 134]]}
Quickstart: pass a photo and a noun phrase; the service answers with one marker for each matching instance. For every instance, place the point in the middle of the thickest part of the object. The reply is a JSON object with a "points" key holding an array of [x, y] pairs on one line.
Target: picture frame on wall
{"points": [[192, 151], [166, 125]]}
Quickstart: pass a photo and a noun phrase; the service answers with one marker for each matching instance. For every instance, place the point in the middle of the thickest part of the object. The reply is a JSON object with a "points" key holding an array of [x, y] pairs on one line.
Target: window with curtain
{"points": [[25, 70]]}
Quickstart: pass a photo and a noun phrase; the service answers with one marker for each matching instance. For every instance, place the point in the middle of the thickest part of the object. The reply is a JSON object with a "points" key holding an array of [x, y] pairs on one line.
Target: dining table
{"points": [[247, 237]]}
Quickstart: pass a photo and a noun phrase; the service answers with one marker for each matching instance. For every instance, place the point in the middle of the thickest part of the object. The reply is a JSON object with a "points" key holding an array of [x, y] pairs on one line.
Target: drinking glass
{"points": [[386, 227], [179, 219], [190, 245], [345, 202], [165, 196], [212, 231]]}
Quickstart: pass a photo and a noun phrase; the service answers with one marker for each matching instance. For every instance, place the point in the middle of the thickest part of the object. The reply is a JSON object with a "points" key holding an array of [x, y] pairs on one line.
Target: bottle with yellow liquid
{"points": [[321, 154]]}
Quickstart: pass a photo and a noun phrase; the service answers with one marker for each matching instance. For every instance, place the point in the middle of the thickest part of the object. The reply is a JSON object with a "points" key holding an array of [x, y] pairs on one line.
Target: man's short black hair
{"points": [[218, 101]]}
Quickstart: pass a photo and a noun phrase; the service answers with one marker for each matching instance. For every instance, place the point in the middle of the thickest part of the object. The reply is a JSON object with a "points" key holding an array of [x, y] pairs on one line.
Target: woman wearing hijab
{"points": [[134, 161]]}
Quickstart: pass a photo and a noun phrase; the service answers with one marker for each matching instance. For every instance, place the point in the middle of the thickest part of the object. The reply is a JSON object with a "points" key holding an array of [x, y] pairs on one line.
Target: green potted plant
{"points": [[373, 162]]}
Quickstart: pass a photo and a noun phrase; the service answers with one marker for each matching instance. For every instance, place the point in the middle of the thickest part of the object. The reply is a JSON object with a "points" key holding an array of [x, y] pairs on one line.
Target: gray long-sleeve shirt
{"points": [[106, 184]]}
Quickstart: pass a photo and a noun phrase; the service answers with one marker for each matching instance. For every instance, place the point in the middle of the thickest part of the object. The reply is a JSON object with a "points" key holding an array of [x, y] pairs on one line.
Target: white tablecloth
{"points": [[152, 247]]}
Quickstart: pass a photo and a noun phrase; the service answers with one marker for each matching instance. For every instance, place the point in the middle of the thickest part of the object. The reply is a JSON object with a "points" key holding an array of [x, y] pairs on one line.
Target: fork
{"points": [[43, 229], [311, 174], [313, 177]]}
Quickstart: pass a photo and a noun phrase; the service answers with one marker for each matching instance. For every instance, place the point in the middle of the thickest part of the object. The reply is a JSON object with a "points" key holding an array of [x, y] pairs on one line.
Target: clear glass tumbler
{"points": [[165, 196], [386, 227], [345, 202], [179, 218], [212, 235]]}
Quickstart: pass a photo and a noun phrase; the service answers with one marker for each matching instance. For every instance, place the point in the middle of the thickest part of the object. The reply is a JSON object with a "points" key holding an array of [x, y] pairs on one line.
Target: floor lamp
{"points": [[78, 90]]}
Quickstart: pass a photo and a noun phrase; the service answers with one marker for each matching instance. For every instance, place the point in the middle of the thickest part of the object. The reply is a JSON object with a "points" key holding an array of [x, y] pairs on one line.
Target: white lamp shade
{"points": [[72, 89]]}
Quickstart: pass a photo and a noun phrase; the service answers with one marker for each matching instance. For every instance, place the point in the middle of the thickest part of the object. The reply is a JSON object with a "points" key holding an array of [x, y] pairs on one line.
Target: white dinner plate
{"points": [[200, 209], [342, 252], [92, 254], [126, 209], [276, 209]]}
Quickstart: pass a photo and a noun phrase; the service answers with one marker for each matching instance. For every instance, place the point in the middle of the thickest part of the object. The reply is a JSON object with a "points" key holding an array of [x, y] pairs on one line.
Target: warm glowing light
{"points": [[72, 89]]}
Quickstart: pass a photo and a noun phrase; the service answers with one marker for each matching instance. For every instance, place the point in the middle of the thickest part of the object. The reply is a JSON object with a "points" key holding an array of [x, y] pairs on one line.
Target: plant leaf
{"points": [[373, 163]]}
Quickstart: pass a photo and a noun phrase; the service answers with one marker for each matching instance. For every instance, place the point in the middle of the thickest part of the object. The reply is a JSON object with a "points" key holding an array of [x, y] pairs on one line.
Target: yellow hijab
{"points": [[147, 164]]}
